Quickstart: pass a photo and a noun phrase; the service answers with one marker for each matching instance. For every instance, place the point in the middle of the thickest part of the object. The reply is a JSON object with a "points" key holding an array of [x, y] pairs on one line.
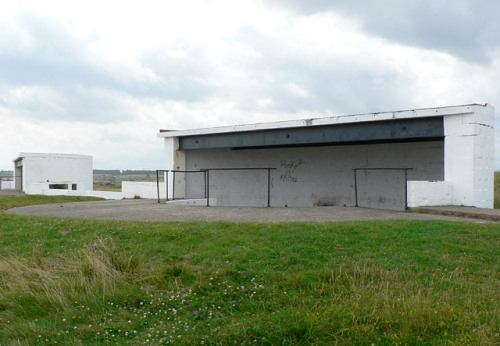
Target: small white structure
{"points": [[143, 189], [41, 173], [6, 184], [393, 160]]}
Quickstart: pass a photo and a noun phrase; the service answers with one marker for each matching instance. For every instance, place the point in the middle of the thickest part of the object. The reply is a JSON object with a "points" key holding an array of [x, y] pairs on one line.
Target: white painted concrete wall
{"points": [[469, 146], [430, 193], [315, 175], [130, 189], [175, 160], [7, 184], [39, 171], [142, 189]]}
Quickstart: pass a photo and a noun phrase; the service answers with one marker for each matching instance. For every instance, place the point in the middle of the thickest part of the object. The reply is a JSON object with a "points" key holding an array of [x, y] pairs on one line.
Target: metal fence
{"points": [[166, 180], [403, 169], [206, 174], [268, 169]]}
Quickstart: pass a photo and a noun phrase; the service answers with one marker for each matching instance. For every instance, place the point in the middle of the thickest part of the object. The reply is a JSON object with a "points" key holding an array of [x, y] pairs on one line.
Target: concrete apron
{"points": [[151, 210]]}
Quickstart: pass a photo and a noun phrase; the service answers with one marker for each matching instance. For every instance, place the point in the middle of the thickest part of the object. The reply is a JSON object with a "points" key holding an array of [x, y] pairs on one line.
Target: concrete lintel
{"points": [[381, 131]]}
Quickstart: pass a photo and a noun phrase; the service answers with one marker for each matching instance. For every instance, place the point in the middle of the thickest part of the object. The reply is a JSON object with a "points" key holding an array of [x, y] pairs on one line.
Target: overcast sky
{"points": [[102, 77]]}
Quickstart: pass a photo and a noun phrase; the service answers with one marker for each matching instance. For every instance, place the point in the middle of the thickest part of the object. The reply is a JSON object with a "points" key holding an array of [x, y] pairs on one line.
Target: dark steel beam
{"points": [[399, 130]]}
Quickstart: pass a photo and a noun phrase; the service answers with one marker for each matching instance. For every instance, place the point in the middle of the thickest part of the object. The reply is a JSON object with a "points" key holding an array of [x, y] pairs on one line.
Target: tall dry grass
{"points": [[97, 269]]}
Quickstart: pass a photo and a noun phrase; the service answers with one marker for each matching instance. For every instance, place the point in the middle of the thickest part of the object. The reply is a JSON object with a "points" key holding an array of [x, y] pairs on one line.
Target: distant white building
{"points": [[393, 160], [69, 175], [39, 173]]}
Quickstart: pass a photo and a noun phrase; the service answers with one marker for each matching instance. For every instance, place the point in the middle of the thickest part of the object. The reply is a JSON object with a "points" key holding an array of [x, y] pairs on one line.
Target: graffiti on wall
{"points": [[289, 170]]}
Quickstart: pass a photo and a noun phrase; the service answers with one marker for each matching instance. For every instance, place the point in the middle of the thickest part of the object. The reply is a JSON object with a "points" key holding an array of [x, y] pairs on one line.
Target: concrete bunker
{"points": [[391, 160], [42, 173]]}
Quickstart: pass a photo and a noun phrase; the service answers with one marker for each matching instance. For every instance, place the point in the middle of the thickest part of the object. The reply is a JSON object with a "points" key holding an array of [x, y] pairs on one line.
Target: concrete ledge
{"points": [[429, 193], [89, 193], [200, 202], [460, 211], [142, 189]]}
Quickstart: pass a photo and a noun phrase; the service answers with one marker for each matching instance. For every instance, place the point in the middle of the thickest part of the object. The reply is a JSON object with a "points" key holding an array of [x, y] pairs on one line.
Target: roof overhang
{"points": [[400, 126], [401, 130]]}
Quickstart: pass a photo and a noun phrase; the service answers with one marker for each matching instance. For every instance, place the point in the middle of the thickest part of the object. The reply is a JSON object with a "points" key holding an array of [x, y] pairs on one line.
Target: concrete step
{"points": [[461, 211], [200, 202]]}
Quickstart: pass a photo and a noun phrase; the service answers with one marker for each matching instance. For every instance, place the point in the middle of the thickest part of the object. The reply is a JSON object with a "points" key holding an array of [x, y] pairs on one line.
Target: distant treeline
{"points": [[6, 173], [123, 172]]}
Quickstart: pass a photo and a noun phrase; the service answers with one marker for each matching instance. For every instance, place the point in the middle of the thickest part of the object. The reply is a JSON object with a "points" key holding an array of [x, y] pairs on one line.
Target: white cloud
{"points": [[31, 98], [297, 90]]}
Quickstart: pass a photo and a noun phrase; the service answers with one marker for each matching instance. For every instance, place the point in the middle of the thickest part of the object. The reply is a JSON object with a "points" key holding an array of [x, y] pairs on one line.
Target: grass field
{"points": [[89, 282], [113, 182]]}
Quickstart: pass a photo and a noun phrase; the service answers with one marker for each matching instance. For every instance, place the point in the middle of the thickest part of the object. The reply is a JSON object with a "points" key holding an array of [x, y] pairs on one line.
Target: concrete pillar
{"points": [[18, 175], [469, 156], [175, 160]]}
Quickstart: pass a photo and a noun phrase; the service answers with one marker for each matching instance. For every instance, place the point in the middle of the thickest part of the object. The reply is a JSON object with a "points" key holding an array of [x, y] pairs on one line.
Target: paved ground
{"points": [[11, 192], [150, 210]]}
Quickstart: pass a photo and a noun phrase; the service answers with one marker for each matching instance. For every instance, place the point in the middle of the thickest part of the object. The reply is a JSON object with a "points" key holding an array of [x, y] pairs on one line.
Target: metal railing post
{"points": [[173, 185], [268, 187], [158, 185], [205, 182], [406, 189], [166, 185], [355, 187], [208, 187]]}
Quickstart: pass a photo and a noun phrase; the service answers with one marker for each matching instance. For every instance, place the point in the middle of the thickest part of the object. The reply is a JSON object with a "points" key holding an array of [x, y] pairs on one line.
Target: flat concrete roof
{"points": [[333, 120], [52, 155]]}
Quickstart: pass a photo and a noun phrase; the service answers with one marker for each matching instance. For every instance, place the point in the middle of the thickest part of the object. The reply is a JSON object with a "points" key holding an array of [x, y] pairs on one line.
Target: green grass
{"points": [[113, 182], [79, 282], [7, 202], [107, 186]]}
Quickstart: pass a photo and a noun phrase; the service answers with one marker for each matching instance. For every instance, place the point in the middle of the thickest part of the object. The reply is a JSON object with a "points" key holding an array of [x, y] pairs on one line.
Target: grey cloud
{"points": [[56, 60], [22, 69], [467, 29], [71, 103], [344, 90], [180, 78], [338, 87]]}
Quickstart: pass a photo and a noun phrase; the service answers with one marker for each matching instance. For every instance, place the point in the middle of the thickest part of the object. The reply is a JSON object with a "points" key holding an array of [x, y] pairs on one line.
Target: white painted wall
{"points": [[142, 189], [469, 146], [39, 171], [130, 189], [7, 184], [430, 193], [175, 160]]}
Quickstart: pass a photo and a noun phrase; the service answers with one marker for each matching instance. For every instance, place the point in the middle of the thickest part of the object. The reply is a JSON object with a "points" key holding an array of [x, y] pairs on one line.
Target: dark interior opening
{"points": [[58, 186]]}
